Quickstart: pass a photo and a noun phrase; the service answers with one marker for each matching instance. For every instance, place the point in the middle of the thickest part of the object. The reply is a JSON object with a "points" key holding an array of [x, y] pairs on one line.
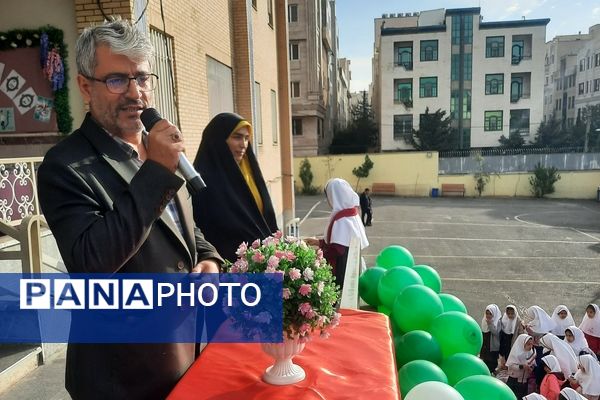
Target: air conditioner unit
{"points": [[416, 14], [392, 15], [384, 15]]}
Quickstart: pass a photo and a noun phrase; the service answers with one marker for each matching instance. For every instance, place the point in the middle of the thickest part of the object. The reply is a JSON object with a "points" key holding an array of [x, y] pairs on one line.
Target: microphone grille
{"points": [[149, 118]]}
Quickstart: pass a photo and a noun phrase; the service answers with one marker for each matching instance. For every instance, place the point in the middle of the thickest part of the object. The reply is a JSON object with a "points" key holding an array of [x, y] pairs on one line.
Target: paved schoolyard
{"points": [[503, 251]]}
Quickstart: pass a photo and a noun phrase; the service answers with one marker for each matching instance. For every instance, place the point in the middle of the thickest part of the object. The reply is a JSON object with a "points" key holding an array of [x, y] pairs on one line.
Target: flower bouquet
{"points": [[309, 297]]}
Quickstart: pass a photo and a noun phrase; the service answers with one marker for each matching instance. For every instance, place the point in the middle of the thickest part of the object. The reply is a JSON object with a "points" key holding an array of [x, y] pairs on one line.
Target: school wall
{"points": [[416, 173]]}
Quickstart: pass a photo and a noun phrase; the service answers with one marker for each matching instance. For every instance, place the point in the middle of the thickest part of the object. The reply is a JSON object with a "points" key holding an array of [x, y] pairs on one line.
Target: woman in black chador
{"points": [[235, 206]]}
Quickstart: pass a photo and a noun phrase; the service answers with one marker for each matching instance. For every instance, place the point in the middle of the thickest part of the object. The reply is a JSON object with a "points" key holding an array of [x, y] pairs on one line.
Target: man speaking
{"points": [[114, 202]]}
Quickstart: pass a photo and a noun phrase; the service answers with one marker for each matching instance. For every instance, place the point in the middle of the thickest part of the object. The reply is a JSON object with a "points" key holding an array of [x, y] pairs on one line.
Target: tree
{"points": [[482, 177], [306, 176], [361, 133], [514, 141], [551, 133], [362, 171], [435, 133], [543, 180]]}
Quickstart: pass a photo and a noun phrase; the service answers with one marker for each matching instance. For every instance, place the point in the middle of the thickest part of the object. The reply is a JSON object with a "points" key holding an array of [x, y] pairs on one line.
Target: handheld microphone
{"points": [[195, 183]]}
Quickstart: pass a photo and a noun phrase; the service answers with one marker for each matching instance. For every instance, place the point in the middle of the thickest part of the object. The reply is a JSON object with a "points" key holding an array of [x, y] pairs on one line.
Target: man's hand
{"points": [[311, 241], [165, 142], [206, 266]]}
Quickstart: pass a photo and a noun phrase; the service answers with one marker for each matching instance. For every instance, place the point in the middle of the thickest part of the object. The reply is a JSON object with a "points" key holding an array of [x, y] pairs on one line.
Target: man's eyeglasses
{"points": [[119, 84]]}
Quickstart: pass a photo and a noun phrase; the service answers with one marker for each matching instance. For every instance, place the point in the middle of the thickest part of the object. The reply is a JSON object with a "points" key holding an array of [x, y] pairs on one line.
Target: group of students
{"points": [[541, 356]]}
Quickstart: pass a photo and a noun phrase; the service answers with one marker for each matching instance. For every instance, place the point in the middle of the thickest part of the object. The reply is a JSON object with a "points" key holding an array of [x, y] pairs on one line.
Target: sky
{"points": [[355, 19]]}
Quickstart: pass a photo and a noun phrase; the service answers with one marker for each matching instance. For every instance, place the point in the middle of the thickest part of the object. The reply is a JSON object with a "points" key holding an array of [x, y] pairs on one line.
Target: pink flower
{"points": [[319, 254], [241, 266], [258, 257], [278, 235], [273, 262], [294, 274], [322, 321], [305, 289], [304, 329], [242, 249], [336, 319], [286, 293], [270, 241], [304, 308], [308, 274], [256, 244], [290, 255], [280, 254]]}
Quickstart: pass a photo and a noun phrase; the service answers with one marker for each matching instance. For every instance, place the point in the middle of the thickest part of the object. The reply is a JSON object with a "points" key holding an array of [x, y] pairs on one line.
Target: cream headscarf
{"points": [[538, 320], [518, 355], [591, 326], [561, 324], [590, 379], [562, 351], [341, 196], [579, 341], [496, 314], [509, 325], [571, 394]]}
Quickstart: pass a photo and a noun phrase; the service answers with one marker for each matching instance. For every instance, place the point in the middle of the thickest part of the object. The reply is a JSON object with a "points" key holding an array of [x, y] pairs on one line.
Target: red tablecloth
{"points": [[356, 362]]}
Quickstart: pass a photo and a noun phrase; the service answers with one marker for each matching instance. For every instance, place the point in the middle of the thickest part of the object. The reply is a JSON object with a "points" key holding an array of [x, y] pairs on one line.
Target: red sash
{"points": [[347, 212]]}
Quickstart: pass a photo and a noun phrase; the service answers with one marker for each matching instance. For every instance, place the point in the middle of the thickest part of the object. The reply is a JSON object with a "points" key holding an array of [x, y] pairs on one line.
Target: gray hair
{"points": [[119, 35]]}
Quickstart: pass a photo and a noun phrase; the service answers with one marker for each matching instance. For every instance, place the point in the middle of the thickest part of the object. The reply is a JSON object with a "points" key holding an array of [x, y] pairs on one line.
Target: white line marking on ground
{"points": [[309, 212], [481, 239], [519, 281], [587, 234]]}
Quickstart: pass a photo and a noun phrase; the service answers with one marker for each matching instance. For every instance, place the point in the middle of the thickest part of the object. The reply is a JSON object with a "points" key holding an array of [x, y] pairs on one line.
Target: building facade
{"points": [[313, 74], [560, 80], [343, 93], [211, 57], [588, 71], [488, 76]]}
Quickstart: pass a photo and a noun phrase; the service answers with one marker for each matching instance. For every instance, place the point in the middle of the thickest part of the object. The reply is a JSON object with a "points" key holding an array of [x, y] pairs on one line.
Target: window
{"points": [[456, 29], [274, 114], [596, 85], [403, 91], [581, 88], [493, 121], [494, 83], [295, 89], [429, 50], [220, 87], [258, 114], [516, 88], [164, 94], [294, 51], [402, 126], [581, 64], [517, 51], [297, 126], [589, 64], [428, 87], [466, 22], [519, 121], [455, 102], [293, 13], [403, 55], [253, 4], [270, 12], [597, 60], [467, 66], [494, 46]]}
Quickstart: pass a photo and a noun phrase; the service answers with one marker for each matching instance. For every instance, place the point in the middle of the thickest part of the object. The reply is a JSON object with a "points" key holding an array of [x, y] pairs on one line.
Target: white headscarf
{"points": [[538, 320], [591, 326], [561, 324], [534, 396], [518, 355], [496, 314], [509, 325], [552, 363], [562, 351], [341, 196], [579, 342], [590, 379], [571, 394]]}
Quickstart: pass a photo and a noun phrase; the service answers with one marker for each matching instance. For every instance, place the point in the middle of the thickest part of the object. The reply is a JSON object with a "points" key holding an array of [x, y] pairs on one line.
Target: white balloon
{"points": [[433, 390]]}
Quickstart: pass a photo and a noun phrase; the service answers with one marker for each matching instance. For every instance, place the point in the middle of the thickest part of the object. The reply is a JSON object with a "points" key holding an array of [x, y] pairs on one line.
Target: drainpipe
{"points": [[249, 27]]}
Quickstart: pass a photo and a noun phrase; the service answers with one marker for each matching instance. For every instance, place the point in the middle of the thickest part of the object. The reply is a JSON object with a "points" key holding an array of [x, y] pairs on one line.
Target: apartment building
{"points": [[588, 71], [560, 80], [313, 74], [211, 57], [343, 93], [488, 76]]}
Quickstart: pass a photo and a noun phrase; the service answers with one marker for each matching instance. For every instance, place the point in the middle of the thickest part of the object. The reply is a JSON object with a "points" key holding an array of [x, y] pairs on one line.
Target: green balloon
{"points": [[416, 345], [461, 365], [430, 277], [419, 371], [395, 256], [479, 387], [456, 332], [393, 282], [452, 303], [384, 310], [433, 390], [367, 285], [415, 307]]}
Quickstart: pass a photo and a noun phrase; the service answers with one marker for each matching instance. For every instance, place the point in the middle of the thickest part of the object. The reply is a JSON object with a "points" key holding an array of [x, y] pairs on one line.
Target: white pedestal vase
{"points": [[284, 371]]}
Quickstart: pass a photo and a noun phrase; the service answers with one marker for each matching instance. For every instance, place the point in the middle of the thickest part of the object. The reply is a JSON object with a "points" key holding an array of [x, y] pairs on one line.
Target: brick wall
{"points": [[87, 12]]}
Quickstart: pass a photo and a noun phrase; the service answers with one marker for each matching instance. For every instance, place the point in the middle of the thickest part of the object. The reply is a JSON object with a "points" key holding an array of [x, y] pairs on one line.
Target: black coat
{"points": [[107, 215], [225, 210]]}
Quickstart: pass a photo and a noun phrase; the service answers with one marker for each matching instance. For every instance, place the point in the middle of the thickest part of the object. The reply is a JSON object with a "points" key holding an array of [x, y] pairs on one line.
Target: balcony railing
{"points": [[515, 97]]}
